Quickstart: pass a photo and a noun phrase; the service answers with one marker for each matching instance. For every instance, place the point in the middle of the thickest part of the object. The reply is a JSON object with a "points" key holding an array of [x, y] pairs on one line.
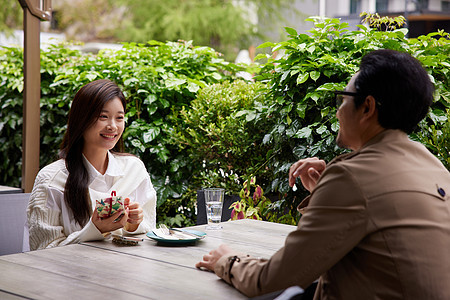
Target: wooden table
{"points": [[97, 270], [9, 190]]}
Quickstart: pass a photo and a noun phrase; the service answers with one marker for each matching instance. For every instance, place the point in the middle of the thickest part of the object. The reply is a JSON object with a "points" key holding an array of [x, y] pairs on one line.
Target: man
{"points": [[377, 222]]}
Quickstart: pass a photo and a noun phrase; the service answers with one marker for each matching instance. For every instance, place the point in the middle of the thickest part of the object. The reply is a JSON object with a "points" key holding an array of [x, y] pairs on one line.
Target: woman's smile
{"points": [[107, 129], [108, 136]]}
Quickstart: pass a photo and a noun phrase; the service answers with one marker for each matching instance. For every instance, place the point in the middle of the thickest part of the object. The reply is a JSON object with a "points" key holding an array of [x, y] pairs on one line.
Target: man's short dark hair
{"points": [[400, 85]]}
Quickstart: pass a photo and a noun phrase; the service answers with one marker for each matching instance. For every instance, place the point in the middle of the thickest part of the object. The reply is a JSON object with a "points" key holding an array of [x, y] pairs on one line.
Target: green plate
{"points": [[161, 240]]}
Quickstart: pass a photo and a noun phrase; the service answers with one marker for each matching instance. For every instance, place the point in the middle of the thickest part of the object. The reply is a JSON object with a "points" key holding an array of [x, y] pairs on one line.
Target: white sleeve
{"points": [[45, 220], [89, 233], [146, 197]]}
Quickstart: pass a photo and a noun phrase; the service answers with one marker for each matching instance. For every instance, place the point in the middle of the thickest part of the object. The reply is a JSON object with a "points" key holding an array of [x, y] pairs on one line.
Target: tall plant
{"points": [[301, 82]]}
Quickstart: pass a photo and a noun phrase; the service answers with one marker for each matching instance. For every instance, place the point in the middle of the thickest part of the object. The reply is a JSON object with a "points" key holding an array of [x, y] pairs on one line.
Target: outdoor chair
{"points": [[13, 217], [292, 293]]}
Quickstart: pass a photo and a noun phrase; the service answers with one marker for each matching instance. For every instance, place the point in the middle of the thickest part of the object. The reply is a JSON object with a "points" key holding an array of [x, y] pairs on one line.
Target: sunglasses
{"points": [[339, 96]]}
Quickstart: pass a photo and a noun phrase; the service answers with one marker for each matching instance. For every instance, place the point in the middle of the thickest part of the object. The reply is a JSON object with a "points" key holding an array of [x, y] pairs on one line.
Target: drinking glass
{"points": [[214, 203]]}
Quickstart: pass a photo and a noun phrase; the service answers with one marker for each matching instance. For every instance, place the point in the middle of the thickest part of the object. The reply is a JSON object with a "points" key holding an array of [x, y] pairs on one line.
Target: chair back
{"points": [[13, 218], [201, 207]]}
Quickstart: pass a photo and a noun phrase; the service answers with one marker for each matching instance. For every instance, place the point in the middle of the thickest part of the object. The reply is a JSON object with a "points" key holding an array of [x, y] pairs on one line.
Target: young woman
{"points": [[92, 166]]}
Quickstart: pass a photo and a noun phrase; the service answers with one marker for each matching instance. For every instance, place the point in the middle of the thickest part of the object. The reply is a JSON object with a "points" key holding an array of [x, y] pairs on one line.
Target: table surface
{"points": [[9, 189], [149, 270]]}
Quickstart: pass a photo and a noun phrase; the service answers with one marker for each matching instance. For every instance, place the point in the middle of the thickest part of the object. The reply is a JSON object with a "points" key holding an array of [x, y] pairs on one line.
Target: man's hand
{"points": [[210, 260], [309, 171]]}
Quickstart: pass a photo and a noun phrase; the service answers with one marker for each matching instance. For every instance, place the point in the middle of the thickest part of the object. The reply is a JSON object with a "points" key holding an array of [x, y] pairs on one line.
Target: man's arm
{"points": [[333, 225], [309, 171]]}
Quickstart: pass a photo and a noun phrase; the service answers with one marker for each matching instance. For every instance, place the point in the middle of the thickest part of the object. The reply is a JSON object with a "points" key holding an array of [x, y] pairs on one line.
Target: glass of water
{"points": [[214, 203]]}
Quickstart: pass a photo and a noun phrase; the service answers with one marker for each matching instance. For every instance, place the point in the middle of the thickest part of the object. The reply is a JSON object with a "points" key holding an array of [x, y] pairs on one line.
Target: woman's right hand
{"points": [[110, 224]]}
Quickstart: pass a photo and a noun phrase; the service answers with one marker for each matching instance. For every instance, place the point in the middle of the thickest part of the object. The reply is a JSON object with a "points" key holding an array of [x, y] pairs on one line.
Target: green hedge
{"points": [[158, 78], [192, 123], [219, 133], [301, 99]]}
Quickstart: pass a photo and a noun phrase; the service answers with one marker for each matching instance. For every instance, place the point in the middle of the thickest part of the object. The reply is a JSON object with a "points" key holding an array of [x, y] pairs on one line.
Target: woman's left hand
{"points": [[135, 215]]}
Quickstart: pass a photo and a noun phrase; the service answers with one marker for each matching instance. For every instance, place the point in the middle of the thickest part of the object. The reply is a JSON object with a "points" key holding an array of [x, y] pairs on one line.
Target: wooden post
{"points": [[32, 14]]}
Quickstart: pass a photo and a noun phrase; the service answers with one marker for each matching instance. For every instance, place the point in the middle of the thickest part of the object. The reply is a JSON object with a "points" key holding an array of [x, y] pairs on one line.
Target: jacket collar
{"points": [[386, 136]]}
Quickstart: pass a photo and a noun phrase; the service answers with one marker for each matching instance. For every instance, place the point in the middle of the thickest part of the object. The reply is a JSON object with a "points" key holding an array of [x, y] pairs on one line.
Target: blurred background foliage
{"points": [[225, 25], [195, 124], [11, 16], [157, 78]]}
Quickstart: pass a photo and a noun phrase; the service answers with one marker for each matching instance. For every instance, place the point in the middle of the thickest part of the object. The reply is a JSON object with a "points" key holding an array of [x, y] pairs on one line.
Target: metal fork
{"points": [[164, 229], [177, 232]]}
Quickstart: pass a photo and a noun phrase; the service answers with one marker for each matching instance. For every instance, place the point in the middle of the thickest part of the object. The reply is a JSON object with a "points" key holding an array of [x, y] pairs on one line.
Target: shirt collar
{"points": [[113, 170]]}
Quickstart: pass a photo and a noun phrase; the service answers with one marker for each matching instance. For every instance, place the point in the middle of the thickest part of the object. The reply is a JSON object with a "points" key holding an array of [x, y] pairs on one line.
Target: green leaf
{"points": [[285, 75], [192, 87], [324, 112], [151, 109], [314, 75], [163, 155], [240, 113], [265, 45], [302, 78], [151, 134], [301, 110], [321, 129], [136, 143], [330, 86], [438, 115], [216, 76], [267, 138], [315, 96], [311, 49], [129, 81], [288, 120], [150, 99], [174, 82], [303, 133], [91, 76], [335, 126], [250, 116], [261, 56], [165, 103], [291, 31]]}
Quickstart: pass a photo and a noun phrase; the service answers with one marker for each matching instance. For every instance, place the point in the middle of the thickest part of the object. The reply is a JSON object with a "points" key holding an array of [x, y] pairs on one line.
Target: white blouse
{"points": [[50, 220]]}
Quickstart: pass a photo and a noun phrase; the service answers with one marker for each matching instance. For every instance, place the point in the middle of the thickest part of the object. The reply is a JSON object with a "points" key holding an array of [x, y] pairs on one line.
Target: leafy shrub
{"points": [[437, 138], [156, 78], [11, 84], [191, 131], [312, 66], [221, 132], [179, 212]]}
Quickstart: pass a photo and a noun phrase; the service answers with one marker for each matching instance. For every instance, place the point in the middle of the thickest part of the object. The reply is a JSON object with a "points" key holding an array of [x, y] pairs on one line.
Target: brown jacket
{"points": [[377, 226]]}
